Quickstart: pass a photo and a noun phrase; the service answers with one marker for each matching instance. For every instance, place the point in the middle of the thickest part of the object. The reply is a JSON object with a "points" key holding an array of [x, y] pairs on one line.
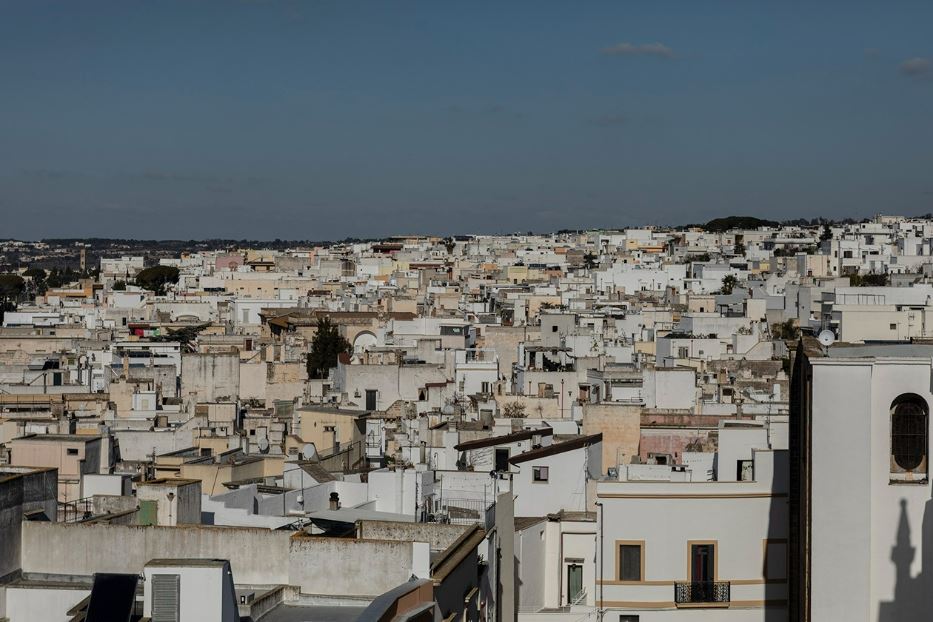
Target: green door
{"points": [[148, 512]]}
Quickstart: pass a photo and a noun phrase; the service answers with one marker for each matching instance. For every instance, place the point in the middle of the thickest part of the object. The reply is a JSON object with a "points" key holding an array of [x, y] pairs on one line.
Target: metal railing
{"points": [[464, 511], [75, 511], [580, 598], [701, 592]]}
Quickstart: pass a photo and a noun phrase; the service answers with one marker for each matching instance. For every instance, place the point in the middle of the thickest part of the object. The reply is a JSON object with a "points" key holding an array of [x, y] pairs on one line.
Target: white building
{"points": [[865, 515], [549, 479], [676, 547]]}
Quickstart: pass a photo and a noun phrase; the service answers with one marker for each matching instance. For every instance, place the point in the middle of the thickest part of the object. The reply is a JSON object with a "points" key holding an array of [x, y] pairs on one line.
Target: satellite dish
{"points": [[263, 445], [309, 452], [826, 338]]}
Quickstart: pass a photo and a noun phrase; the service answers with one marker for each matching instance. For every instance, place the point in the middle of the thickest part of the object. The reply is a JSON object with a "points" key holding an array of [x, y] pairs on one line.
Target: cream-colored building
{"points": [[72, 454]]}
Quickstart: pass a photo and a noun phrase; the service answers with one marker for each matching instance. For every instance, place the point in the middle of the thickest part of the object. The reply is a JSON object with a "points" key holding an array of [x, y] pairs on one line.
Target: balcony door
{"points": [[702, 563]]}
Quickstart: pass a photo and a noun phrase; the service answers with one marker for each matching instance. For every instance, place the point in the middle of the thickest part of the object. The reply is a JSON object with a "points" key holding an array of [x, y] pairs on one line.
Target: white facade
{"points": [[871, 525], [744, 523], [202, 588], [556, 481]]}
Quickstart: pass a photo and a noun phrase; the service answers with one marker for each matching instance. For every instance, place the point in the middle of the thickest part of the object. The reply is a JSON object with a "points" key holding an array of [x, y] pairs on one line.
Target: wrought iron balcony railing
{"points": [[699, 592]]}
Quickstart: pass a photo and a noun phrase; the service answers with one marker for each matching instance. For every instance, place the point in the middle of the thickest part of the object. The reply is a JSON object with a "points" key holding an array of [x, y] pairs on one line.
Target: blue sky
{"points": [[328, 119]]}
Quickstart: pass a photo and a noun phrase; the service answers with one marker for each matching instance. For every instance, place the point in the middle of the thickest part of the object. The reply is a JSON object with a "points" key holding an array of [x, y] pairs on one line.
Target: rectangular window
{"points": [[502, 459], [630, 561], [892, 326], [629, 617], [72, 451], [539, 474]]}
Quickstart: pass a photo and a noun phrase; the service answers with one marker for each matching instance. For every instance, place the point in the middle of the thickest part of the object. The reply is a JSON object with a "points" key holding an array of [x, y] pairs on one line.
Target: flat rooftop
{"points": [[60, 438], [287, 612]]}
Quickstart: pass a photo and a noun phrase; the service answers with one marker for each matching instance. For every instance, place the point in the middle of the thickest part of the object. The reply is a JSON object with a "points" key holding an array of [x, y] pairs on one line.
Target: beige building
{"points": [[74, 455], [214, 470], [330, 427], [620, 425]]}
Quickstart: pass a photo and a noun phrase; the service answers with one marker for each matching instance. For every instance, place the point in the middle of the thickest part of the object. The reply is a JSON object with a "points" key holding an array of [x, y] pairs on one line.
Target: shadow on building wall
{"points": [[776, 589], [913, 595]]}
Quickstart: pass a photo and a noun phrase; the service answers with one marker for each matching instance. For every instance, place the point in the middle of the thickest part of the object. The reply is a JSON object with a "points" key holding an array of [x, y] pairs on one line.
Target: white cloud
{"points": [[917, 67], [658, 50]]}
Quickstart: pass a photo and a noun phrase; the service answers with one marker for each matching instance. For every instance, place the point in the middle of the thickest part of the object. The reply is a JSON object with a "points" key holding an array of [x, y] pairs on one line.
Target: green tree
{"points": [[327, 345], [36, 274], [785, 330], [728, 284], [156, 278], [58, 277], [11, 288], [590, 260], [37, 277], [119, 286], [185, 335], [868, 280], [827, 233]]}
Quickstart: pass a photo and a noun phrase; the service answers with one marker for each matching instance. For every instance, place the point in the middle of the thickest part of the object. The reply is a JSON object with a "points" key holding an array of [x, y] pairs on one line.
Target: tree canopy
{"points": [[156, 278], [327, 345], [737, 222], [868, 280], [11, 286], [728, 284], [36, 274]]}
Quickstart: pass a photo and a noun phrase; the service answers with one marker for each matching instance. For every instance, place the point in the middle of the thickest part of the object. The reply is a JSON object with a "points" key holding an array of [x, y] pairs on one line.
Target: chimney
{"points": [[334, 501]]}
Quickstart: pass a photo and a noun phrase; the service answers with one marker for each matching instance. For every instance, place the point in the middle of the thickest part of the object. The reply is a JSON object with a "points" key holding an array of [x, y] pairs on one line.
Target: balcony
{"points": [[702, 594]]}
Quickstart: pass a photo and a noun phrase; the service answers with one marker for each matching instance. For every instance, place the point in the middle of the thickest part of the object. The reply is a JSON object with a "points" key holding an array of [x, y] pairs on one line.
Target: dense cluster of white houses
{"points": [[631, 425]]}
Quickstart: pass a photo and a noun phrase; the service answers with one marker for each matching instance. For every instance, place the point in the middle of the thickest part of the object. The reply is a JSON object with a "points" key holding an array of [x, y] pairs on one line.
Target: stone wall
{"points": [[256, 555], [438, 536], [620, 425]]}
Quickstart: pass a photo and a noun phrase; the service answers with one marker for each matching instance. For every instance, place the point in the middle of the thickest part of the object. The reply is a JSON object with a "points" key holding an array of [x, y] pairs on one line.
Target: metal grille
{"points": [[166, 591], [701, 592], [630, 562], [909, 435]]}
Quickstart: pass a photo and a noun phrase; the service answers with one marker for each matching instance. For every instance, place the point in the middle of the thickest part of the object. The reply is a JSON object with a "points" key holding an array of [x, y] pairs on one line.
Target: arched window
{"points": [[909, 424]]}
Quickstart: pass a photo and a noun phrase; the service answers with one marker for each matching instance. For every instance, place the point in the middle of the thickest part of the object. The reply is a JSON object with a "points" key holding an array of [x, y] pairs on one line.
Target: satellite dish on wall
{"points": [[826, 338], [263, 445], [309, 452]]}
